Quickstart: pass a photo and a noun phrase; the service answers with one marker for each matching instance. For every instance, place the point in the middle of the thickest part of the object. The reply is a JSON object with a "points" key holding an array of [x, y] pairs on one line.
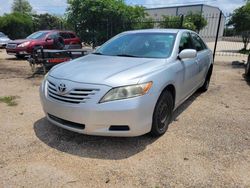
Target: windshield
{"points": [[38, 35], [144, 45]]}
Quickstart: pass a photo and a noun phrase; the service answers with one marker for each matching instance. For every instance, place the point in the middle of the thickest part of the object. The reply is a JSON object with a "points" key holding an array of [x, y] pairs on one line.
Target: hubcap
{"points": [[163, 116]]}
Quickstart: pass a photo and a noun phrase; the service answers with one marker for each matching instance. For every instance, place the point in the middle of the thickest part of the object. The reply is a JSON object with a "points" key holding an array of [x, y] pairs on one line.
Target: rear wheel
{"points": [[247, 70], [162, 114], [205, 86]]}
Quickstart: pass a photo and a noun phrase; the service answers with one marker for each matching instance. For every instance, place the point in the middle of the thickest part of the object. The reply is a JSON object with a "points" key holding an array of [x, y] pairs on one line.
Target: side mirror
{"points": [[187, 53]]}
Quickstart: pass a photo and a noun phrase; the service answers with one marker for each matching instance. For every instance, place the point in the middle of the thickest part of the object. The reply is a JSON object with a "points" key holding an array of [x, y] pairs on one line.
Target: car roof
{"points": [[55, 31], [175, 31]]}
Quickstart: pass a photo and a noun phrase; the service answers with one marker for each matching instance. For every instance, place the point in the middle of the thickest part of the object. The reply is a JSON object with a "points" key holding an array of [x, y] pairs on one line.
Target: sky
{"points": [[58, 7]]}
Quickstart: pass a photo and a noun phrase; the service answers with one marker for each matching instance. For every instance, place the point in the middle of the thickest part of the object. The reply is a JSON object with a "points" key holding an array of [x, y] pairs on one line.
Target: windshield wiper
{"points": [[97, 53], [126, 55]]}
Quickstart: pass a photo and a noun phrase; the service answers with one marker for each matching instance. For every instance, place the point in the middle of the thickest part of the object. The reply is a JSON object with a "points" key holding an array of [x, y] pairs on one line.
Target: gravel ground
{"points": [[207, 145]]}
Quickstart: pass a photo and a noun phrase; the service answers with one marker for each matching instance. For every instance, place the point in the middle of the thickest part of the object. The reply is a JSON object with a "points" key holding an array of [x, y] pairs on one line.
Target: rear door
{"points": [[203, 56], [74, 39], [190, 68]]}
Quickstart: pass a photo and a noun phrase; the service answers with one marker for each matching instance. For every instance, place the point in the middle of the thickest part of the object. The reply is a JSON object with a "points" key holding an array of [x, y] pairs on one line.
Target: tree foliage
{"points": [[96, 21], [22, 6], [198, 21], [192, 21], [16, 25], [46, 21], [240, 20]]}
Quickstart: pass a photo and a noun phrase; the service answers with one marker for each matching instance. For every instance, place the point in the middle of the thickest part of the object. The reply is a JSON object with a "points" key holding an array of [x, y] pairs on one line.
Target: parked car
{"points": [[4, 40], [130, 85], [45, 39]]}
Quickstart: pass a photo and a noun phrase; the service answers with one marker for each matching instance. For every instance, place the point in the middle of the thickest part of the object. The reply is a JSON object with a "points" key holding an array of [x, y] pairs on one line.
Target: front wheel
{"points": [[163, 113]]}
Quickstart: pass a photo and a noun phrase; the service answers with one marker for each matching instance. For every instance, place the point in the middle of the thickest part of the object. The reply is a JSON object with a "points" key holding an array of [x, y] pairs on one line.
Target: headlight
{"points": [[24, 44], [126, 92]]}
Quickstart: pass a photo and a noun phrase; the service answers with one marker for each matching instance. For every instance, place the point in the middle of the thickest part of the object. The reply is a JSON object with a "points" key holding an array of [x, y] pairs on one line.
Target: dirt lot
{"points": [[207, 145]]}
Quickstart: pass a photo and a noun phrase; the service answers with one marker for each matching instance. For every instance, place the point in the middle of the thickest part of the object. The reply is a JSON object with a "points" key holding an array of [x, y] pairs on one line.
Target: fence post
{"points": [[217, 34], [181, 22]]}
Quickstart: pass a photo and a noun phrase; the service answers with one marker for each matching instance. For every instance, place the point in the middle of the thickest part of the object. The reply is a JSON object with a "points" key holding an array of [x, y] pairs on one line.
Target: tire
{"points": [[205, 86], [162, 115], [20, 56], [247, 69], [58, 43]]}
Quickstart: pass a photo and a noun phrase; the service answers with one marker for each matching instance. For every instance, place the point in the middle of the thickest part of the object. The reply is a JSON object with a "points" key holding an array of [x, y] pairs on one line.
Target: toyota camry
{"points": [[129, 86]]}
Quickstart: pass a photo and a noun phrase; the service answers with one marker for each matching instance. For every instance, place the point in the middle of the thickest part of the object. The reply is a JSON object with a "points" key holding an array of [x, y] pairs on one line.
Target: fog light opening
{"points": [[119, 128]]}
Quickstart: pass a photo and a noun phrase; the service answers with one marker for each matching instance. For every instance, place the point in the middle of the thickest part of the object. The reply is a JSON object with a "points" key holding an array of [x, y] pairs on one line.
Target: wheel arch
{"points": [[172, 90]]}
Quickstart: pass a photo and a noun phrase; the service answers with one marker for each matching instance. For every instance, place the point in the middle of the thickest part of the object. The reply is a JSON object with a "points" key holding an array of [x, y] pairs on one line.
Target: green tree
{"points": [[198, 21], [146, 23], [192, 21], [47, 21], [16, 25], [96, 21], [22, 6], [240, 20], [171, 22]]}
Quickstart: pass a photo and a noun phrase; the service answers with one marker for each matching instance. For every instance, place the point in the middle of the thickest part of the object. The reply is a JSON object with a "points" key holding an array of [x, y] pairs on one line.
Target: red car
{"points": [[21, 48]]}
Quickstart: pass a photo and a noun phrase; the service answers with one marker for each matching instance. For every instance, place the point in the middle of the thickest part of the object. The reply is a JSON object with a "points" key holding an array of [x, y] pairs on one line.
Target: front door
{"points": [[190, 67]]}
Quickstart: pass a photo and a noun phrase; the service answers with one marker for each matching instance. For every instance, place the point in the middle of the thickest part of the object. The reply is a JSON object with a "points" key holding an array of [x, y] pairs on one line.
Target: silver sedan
{"points": [[130, 85]]}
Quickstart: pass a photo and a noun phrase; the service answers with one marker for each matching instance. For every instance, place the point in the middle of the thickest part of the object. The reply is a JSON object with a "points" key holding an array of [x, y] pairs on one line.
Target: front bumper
{"points": [[136, 113], [3, 44], [17, 51]]}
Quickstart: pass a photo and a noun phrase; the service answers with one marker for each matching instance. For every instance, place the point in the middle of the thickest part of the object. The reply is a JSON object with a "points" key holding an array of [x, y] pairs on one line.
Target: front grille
{"points": [[11, 46], [66, 122], [75, 96]]}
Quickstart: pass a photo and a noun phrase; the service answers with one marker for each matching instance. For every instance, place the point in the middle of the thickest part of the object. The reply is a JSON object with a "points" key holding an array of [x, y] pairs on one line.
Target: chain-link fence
{"points": [[221, 39]]}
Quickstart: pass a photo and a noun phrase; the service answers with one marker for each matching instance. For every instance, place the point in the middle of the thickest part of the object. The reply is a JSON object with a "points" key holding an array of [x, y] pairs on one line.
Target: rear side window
{"points": [[185, 42], [53, 35], [198, 43], [72, 35], [65, 35]]}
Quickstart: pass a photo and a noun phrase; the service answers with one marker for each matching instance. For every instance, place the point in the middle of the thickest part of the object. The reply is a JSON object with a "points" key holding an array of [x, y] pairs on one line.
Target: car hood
{"points": [[19, 41], [107, 70], [4, 39]]}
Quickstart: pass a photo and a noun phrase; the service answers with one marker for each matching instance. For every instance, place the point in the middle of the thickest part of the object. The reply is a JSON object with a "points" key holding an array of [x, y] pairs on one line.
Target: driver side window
{"points": [[185, 42]]}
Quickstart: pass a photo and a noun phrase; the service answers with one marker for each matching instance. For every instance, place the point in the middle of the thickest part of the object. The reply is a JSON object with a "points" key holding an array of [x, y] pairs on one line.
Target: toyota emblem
{"points": [[62, 88]]}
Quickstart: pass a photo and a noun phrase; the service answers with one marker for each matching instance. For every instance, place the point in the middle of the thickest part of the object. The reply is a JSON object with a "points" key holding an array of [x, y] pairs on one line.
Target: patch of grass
{"points": [[9, 100]]}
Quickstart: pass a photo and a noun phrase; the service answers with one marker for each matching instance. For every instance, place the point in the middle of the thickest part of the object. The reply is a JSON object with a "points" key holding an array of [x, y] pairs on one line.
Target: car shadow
{"points": [[241, 65], [185, 105], [238, 64], [112, 148], [16, 59]]}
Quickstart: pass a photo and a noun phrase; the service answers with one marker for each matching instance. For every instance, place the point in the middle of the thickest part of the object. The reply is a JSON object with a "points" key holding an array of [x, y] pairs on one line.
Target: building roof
{"points": [[180, 6]]}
